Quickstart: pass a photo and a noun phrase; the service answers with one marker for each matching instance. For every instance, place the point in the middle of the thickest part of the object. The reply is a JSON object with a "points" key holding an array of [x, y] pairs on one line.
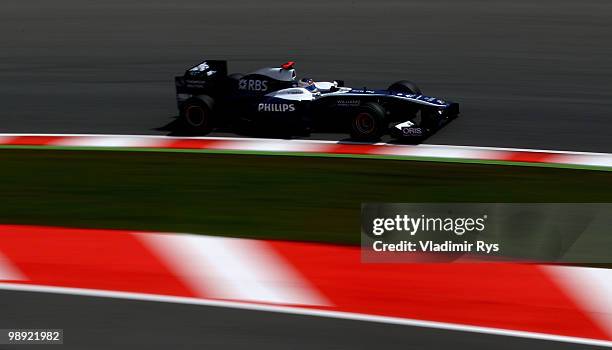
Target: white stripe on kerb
{"points": [[592, 160], [436, 152], [235, 269], [591, 288], [273, 146], [108, 141], [8, 271]]}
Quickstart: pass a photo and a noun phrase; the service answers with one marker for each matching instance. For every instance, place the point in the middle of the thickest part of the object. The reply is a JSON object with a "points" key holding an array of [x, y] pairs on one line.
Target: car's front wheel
{"points": [[368, 123]]}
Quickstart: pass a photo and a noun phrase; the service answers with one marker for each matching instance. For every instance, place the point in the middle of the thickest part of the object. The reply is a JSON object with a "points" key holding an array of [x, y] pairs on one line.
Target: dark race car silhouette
{"points": [[274, 99]]}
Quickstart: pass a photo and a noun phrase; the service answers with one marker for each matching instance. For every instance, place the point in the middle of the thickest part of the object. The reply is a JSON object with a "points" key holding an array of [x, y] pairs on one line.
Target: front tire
{"points": [[368, 123], [197, 116]]}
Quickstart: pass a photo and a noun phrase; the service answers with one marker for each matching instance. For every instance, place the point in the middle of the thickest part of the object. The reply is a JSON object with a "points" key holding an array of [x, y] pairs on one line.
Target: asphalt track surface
{"points": [[103, 323], [532, 74]]}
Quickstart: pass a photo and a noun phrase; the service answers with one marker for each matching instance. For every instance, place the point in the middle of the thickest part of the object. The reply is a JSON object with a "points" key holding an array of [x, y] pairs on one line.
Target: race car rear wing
{"points": [[203, 78], [206, 69]]}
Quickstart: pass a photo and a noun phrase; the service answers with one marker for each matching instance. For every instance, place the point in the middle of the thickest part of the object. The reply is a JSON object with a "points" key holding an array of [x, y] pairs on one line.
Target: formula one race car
{"points": [[274, 99]]}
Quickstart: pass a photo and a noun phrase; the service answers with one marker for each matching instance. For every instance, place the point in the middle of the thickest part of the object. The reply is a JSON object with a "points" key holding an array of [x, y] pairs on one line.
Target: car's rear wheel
{"points": [[406, 87], [197, 116], [368, 123]]}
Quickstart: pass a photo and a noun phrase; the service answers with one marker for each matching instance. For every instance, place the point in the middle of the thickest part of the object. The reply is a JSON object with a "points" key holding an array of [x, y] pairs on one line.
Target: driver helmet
{"points": [[308, 84]]}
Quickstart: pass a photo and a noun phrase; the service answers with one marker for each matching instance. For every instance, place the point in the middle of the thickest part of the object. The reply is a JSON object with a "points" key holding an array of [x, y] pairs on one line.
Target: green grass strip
{"points": [[257, 195]]}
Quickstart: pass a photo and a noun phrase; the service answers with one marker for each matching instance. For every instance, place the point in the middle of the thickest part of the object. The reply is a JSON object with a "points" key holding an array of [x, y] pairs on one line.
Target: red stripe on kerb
{"points": [[34, 140], [507, 296], [192, 144], [351, 149], [83, 258], [527, 157]]}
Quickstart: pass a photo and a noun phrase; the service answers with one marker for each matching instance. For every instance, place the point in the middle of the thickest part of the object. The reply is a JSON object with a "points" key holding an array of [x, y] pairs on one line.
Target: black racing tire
{"points": [[406, 87], [197, 116], [368, 122]]}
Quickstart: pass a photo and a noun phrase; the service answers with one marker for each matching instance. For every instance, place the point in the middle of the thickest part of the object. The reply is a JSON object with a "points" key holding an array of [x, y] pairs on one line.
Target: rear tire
{"points": [[369, 122], [406, 87], [197, 116]]}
